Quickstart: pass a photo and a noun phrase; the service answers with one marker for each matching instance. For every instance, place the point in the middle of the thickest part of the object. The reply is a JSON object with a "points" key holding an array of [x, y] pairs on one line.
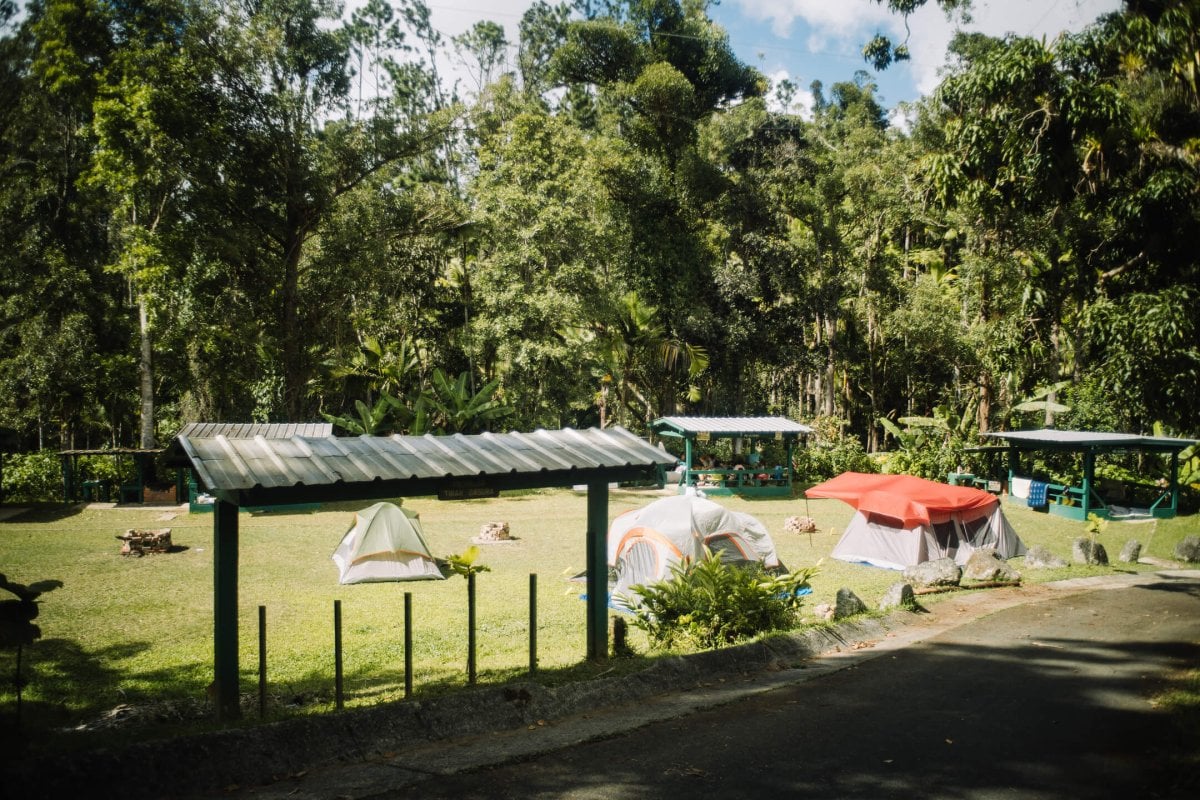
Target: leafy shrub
{"points": [[32, 477], [709, 603], [830, 453]]}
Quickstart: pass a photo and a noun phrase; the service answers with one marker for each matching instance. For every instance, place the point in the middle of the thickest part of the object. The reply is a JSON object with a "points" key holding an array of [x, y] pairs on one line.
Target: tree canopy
{"points": [[225, 210]]}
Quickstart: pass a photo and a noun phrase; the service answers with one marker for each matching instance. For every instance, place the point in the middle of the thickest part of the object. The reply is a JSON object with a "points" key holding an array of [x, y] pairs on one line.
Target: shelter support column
{"points": [[688, 456], [1174, 482], [597, 570], [225, 610], [1089, 480], [790, 461]]}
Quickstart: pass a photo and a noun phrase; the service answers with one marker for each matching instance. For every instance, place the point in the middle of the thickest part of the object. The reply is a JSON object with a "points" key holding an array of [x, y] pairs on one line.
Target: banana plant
{"points": [[454, 408]]}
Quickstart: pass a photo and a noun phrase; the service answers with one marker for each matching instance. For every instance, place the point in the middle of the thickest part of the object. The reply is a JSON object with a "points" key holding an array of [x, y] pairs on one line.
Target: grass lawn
{"points": [[124, 630]]}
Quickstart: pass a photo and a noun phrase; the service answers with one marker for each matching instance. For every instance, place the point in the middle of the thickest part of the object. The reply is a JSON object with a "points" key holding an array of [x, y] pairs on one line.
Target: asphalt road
{"points": [[1044, 700]]}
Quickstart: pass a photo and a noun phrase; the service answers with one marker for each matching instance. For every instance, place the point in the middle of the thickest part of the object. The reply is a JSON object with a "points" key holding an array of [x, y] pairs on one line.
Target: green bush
{"points": [[32, 477], [709, 603], [830, 453]]}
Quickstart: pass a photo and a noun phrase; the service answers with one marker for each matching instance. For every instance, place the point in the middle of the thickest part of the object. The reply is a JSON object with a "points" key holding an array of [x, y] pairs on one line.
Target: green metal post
{"points": [[225, 602], [532, 623], [790, 443], [338, 698], [1089, 478], [471, 668], [262, 662], [597, 570], [688, 455], [408, 659], [1174, 482]]}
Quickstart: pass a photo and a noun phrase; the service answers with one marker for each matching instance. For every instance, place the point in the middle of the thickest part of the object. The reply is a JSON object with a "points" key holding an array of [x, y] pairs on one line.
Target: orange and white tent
{"points": [[902, 520], [645, 542]]}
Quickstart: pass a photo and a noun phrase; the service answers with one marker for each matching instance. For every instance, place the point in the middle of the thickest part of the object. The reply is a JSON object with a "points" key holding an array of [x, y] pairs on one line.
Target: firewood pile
{"points": [[140, 542], [799, 525]]}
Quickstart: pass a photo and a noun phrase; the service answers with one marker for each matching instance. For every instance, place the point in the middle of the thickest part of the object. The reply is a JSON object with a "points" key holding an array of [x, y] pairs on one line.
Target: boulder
{"points": [[1085, 551], [1038, 557], [941, 572], [1131, 552], [1188, 550], [898, 595], [985, 564], [847, 604], [823, 611]]}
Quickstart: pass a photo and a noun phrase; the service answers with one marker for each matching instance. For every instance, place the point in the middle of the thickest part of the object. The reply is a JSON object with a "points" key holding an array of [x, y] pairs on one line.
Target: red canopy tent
{"points": [[906, 498], [902, 520]]}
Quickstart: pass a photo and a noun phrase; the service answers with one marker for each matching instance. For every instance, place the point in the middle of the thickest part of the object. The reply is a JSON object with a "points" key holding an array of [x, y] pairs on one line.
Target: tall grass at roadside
{"points": [[126, 630]]}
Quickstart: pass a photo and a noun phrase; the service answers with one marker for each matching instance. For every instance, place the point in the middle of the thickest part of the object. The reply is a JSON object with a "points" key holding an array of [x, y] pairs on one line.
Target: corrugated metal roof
{"points": [[731, 426], [248, 430], [177, 457], [231, 464], [1049, 437]]}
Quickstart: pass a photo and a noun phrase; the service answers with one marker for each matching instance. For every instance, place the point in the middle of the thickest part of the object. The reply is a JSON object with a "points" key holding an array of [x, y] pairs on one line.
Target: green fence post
{"points": [[471, 628], [262, 662], [532, 623], [337, 653], [408, 660]]}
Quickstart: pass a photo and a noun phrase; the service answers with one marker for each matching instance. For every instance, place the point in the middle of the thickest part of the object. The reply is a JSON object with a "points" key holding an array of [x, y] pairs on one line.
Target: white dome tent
{"points": [[385, 543]]}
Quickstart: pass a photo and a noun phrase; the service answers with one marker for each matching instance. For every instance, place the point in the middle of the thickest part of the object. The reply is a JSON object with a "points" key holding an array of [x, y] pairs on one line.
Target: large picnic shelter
{"points": [[1088, 496], [254, 470]]}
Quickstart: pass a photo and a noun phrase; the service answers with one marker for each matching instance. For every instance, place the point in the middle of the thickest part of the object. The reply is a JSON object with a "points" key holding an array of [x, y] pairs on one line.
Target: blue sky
{"points": [[805, 40]]}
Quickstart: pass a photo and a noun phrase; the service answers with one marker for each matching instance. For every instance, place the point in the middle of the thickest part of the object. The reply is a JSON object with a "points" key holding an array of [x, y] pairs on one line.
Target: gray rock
{"points": [[1085, 551], [1131, 552], [848, 604], [1038, 557], [985, 564], [942, 572], [898, 595], [1189, 549]]}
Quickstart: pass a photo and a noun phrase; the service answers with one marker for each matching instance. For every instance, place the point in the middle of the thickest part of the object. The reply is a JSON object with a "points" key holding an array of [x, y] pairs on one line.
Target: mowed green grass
{"points": [[139, 630]]}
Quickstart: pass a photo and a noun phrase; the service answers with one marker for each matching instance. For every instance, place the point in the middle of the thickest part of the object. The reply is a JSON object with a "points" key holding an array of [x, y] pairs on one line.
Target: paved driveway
{"points": [[1038, 694]]}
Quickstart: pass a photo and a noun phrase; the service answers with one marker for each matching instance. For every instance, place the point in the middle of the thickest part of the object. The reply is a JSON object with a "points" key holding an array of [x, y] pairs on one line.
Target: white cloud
{"points": [[802, 100], [833, 25], [839, 19], [932, 32], [458, 17]]}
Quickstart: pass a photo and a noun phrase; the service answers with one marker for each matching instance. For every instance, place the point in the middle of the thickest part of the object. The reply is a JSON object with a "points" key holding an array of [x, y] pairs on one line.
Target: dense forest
{"points": [[236, 210]]}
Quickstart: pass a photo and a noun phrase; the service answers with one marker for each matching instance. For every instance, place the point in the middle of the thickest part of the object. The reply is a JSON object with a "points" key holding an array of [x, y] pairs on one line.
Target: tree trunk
{"points": [[146, 375], [984, 410], [291, 339], [829, 401]]}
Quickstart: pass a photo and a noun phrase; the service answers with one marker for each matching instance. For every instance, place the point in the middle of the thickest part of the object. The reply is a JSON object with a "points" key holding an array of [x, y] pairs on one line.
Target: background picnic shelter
{"points": [[1077, 500], [760, 479]]}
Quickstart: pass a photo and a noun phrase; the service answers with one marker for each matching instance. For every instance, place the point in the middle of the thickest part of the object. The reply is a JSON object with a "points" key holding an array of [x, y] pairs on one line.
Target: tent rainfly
{"points": [[643, 543], [902, 520], [385, 543]]}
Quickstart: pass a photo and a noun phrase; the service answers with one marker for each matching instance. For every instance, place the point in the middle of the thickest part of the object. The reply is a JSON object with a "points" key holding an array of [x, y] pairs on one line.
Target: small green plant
{"points": [[1095, 525], [464, 564], [709, 603]]}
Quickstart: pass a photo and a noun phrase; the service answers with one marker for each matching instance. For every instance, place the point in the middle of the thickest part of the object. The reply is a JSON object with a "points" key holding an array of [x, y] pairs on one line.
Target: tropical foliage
{"points": [[709, 603], [228, 211]]}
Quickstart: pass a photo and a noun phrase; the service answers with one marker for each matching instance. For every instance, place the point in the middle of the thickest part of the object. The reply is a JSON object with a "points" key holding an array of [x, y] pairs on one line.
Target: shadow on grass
{"points": [[47, 512], [77, 698]]}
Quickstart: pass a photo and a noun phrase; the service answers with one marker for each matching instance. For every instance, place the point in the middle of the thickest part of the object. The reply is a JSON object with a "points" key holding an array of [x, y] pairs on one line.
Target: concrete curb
{"points": [[364, 752]]}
